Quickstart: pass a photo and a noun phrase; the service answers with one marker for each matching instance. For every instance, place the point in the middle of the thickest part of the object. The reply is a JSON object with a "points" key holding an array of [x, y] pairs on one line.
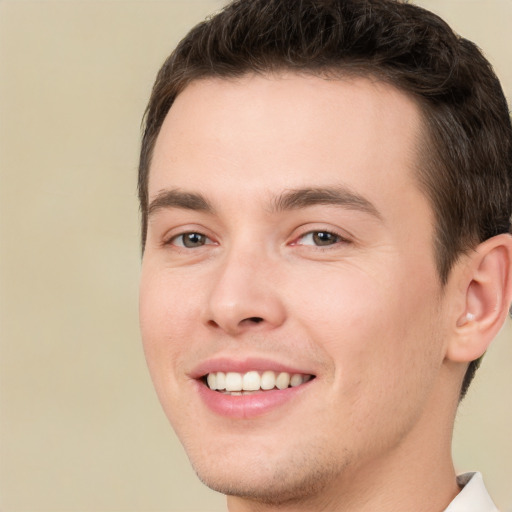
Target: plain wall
{"points": [[80, 426]]}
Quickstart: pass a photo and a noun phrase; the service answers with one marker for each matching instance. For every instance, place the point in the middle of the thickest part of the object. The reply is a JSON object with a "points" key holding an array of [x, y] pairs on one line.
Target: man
{"points": [[326, 195]]}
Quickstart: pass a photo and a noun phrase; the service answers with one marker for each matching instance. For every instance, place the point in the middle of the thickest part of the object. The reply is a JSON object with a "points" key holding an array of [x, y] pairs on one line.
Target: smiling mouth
{"points": [[236, 384]]}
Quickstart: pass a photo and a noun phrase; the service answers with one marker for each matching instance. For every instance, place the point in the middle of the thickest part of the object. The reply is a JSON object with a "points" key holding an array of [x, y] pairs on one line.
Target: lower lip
{"points": [[248, 406]]}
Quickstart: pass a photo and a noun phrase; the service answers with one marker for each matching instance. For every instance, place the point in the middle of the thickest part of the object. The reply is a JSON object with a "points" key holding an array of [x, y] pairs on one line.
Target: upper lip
{"points": [[225, 364]]}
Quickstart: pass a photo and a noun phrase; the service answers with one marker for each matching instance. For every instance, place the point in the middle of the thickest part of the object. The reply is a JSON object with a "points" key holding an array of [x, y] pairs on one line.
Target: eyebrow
{"points": [[175, 198], [293, 199], [334, 196]]}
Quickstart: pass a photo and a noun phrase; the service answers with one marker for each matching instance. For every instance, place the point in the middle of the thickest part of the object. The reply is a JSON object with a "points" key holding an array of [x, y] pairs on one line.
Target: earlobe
{"points": [[487, 289]]}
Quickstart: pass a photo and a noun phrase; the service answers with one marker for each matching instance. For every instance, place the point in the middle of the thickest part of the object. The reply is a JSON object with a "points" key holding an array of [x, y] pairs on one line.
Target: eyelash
{"points": [[182, 236], [336, 239]]}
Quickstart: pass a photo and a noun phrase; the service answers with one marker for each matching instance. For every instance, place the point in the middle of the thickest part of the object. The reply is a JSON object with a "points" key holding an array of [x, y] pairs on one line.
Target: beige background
{"points": [[80, 426]]}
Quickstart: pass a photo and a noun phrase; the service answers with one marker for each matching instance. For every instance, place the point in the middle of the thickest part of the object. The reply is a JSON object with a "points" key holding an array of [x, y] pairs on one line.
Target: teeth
{"points": [[221, 380], [296, 380], [251, 381], [283, 380], [235, 383], [212, 381], [268, 380]]}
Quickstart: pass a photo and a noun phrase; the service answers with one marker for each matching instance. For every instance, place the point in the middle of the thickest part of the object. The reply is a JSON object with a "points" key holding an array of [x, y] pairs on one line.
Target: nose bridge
{"points": [[243, 295]]}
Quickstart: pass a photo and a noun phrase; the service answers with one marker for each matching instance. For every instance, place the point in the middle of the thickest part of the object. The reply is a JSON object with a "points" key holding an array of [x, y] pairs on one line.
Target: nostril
{"points": [[251, 319]]}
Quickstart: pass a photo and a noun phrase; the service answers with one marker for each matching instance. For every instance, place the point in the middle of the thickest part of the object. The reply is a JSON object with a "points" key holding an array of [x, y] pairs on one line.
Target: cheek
{"points": [[377, 330], [346, 309], [167, 320]]}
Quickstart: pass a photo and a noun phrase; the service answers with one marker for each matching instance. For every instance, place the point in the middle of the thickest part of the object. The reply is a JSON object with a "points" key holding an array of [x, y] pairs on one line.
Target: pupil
{"points": [[323, 238], [193, 240]]}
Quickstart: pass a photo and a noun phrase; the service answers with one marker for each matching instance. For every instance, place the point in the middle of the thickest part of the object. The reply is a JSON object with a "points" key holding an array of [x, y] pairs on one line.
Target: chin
{"points": [[296, 475]]}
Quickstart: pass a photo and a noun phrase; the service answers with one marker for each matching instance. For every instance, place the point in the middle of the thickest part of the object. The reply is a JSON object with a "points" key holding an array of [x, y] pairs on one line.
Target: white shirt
{"points": [[473, 497]]}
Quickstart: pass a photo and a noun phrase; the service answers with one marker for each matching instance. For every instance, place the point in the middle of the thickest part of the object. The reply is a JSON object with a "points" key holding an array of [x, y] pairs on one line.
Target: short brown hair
{"points": [[466, 161]]}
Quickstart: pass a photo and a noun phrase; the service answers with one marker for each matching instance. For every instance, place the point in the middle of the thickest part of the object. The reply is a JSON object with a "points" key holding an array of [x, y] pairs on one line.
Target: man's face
{"points": [[287, 235]]}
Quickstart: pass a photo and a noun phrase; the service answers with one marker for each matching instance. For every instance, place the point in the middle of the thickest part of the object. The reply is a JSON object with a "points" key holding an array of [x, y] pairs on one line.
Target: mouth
{"points": [[250, 388], [253, 382]]}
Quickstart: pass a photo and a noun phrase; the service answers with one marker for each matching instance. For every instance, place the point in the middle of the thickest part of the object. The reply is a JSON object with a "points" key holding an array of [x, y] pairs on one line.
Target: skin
{"points": [[366, 314]]}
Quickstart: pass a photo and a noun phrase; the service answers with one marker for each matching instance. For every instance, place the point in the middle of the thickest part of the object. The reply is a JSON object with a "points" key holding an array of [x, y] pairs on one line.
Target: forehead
{"points": [[265, 133]]}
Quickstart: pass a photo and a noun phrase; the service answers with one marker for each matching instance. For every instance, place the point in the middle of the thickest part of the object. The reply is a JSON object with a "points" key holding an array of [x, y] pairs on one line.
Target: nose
{"points": [[243, 295]]}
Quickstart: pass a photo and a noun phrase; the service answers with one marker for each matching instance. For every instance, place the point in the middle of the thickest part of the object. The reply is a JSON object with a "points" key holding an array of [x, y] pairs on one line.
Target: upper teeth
{"points": [[253, 381]]}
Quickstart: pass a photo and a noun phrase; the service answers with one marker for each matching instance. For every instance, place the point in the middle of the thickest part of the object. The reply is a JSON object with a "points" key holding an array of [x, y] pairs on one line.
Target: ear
{"points": [[486, 295]]}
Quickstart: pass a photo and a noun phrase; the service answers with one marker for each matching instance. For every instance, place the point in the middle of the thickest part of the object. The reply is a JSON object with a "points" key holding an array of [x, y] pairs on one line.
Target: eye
{"points": [[320, 238], [190, 240]]}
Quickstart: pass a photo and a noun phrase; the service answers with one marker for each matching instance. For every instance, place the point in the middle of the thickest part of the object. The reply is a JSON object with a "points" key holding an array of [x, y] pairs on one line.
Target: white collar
{"points": [[473, 497]]}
